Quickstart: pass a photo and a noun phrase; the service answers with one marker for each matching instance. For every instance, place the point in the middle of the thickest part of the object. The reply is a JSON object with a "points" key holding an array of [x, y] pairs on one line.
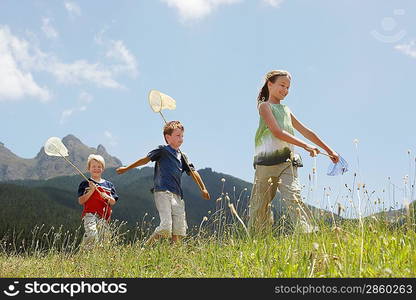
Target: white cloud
{"points": [[408, 49], [83, 101], [80, 72], [73, 8], [48, 29], [110, 138], [274, 3], [196, 9], [16, 80], [66, 114], [119, 52], [126, 62], [19, 59]]}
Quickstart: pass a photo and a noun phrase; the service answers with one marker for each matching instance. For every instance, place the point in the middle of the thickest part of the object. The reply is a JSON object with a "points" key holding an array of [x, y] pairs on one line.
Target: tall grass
{"points": [[380, 245], [386, 251], [369, 247]]}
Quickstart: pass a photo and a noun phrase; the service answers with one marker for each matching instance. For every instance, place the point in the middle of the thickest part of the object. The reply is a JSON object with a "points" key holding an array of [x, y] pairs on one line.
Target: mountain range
{"points": [[43, 166]]}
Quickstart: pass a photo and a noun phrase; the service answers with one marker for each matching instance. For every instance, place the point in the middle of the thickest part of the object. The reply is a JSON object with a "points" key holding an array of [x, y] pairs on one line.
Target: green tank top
{"points": [[270, 150]]}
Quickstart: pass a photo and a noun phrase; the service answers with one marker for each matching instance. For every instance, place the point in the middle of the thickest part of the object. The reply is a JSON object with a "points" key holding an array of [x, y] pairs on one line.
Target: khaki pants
{"points": [[267, 181], [96, 229], [172, 215]]}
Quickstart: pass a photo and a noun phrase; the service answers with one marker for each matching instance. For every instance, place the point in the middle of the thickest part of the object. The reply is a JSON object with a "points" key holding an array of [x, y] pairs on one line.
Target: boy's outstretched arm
{"points": [[198, 180], [140, 162]]}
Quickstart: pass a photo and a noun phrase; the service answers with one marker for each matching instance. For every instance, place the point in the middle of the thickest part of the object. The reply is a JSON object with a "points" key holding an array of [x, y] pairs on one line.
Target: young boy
{"points": [[168, 194], [97, 195]]}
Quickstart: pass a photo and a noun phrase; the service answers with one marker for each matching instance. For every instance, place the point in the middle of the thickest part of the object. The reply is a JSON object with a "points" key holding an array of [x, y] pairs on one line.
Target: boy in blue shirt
{"points": [[168, 194]]}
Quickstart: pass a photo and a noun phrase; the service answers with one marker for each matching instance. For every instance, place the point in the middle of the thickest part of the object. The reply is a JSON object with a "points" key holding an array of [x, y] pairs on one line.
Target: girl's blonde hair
{"points": [[270, 76], [97, 158]]}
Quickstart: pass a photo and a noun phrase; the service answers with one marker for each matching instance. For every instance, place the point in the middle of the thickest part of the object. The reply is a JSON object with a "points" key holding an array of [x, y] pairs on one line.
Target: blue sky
{"points": [[85, 68]]}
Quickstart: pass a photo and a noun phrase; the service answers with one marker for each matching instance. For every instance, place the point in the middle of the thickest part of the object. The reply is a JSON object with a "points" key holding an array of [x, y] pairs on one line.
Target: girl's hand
{"points": [[333, 156], [313, 151]]}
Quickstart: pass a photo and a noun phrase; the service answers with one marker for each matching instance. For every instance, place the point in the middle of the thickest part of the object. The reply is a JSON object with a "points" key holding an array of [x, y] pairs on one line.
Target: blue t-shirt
{"points": [[107, 187], [170, 165]]}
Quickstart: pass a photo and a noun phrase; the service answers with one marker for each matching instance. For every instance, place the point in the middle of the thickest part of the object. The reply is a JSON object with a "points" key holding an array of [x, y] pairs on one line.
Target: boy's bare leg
{"points": [[152, 239], [176, 238]]}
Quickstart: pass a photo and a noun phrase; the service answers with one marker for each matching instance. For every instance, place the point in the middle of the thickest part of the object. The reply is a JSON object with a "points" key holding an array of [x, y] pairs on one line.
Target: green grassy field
{"points": [[371, 248], [379, 245]]}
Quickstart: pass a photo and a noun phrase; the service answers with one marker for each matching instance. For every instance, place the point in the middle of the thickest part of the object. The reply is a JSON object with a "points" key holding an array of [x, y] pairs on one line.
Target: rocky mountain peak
{"points": [[101, 149], [44, 167], [71, 139]]}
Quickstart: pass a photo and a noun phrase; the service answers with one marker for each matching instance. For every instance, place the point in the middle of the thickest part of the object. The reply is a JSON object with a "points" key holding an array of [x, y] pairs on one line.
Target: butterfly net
{"points": [[159, 101], [339, 168], [55, 147]]}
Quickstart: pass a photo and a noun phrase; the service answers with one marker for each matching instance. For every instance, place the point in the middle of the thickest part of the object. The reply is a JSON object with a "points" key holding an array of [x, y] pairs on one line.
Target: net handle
{"points": [[75, 167]]}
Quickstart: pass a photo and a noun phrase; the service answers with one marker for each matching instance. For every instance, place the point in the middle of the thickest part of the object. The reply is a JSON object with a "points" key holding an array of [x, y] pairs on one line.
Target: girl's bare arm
{"points": [[313, 137], [268, 117]]}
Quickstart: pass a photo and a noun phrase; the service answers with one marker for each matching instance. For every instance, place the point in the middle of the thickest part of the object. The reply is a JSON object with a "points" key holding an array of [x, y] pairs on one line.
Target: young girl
{"points": [[97, 195], [274, 158]]}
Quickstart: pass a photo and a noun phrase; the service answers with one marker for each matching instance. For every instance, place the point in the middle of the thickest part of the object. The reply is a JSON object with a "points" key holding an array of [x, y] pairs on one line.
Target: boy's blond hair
{"points": [[170, 127], [97, 158]]}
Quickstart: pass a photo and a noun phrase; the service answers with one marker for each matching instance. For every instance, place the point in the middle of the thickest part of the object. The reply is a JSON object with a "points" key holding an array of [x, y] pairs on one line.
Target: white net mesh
{"points": [[55, 147], [159, 101]]}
